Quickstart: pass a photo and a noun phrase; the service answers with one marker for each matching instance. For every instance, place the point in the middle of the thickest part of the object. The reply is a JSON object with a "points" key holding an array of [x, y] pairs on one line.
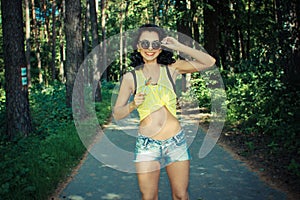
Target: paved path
{"points": [[217, 176]]}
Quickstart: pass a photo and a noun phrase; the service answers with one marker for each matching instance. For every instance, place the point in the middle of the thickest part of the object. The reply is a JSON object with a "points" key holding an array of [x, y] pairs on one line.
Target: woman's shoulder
{"points": [[128, 75], [128, 81], [177, 63], [173, 68]]}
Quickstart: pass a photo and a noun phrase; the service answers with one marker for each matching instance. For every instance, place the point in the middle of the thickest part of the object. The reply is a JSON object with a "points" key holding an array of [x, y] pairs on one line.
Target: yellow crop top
{"points": [[161, 94]]}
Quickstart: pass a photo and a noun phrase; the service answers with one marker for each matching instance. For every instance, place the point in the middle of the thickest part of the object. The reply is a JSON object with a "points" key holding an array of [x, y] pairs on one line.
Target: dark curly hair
{"points": [[164, 58]]}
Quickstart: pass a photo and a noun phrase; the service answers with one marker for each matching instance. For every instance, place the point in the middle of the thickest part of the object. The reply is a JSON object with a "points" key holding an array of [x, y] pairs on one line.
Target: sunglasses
{"points": [[145, 44]]}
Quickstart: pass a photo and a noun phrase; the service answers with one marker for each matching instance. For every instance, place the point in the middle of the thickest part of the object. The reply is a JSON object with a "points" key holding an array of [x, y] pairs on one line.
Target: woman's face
{"points": [[149, 46]]}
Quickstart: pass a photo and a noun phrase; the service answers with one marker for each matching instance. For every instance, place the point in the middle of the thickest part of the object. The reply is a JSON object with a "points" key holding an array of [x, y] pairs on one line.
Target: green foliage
{"points": [[2, 111], [2, 99], [32, 167], [294, 166], [207, 89], [49, 107], [255, 44], [1, 59], [200, 91], [262, 104]]}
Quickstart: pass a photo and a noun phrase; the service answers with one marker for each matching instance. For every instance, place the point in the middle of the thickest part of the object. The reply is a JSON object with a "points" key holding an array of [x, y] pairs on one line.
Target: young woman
{"points": [[161, 140]]}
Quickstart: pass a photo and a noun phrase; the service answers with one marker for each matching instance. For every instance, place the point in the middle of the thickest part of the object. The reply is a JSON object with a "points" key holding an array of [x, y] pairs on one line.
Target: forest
{"points": [[43, 43]]}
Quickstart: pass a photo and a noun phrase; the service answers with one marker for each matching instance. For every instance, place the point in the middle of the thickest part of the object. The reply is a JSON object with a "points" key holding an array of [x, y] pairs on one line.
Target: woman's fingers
{"points": [[166, 40], [170, 42], [139, 98]]}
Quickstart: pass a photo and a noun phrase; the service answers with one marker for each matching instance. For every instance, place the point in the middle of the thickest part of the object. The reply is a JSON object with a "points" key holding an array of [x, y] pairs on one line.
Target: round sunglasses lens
{"points": [[156, 45], [145, 44]]}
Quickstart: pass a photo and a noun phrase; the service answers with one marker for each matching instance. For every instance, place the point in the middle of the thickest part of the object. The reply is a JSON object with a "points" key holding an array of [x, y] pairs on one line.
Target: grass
{"points": [[32, 167]]}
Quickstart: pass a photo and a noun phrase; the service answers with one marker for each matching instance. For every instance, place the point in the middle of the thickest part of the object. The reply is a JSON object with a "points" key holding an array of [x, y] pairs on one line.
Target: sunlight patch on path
{"points": [[75, 197], [111, 196]]}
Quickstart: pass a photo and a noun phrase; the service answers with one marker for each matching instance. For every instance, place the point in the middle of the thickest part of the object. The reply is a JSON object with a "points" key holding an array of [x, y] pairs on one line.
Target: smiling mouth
{"points": [[150, 54]]}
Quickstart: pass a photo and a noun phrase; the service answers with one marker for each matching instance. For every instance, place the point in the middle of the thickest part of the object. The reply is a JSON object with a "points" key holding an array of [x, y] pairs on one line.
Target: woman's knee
{"points": [[149, 196], [180, 195]]}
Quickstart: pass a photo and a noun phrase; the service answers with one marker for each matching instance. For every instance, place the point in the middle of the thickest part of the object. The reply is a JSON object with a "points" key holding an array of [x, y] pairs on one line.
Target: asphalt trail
{"points": [[217, 176]]}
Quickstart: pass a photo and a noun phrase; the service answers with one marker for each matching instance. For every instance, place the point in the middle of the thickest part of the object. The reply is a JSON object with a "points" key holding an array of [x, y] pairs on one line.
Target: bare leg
{"points": [[178, 173], [148, 177]]}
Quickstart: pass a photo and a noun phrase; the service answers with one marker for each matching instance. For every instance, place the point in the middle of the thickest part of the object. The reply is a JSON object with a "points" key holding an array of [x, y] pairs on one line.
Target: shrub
{"points": [[32, 167]]}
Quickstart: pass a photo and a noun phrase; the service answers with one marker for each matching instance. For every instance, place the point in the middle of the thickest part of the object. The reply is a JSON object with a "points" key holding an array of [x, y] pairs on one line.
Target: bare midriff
{"points": [[160, 125]]}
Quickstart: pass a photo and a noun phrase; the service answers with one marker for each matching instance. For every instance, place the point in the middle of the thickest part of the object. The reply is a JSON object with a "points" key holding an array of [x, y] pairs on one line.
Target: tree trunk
{"points": [[74, 47], [125, 39], [94, 23], [27, 37], [46, 33], [183, 23], [95, 43], [18, 120], [37, 43], [196, 31], [248, 29], [239, 36], [87, 30], [88, 73], [184, 27], [47, 21], [121, 18], [53, 68], [61, 42], [211, 28], [294, 66], [103, 30]]}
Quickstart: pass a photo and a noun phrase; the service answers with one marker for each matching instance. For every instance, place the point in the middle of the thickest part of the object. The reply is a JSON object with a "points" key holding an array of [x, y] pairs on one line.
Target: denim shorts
{"points": [[165, 151]]}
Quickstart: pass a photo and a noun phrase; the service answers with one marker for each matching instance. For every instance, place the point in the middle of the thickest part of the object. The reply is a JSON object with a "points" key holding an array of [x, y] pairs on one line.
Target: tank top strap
{"points": [[136, 73], [134, 80], [170, 78]]}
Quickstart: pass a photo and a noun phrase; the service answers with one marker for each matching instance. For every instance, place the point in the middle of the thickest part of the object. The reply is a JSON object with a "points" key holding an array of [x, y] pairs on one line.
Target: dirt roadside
{"points": [[268, 167]]}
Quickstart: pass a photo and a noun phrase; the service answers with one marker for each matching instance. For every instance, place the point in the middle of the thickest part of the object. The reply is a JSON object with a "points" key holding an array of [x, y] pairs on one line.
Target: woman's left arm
{"points": [[202, 60]]}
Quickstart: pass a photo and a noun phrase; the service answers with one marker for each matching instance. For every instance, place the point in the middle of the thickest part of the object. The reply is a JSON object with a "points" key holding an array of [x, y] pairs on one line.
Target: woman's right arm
{"points": [[122, 108]]}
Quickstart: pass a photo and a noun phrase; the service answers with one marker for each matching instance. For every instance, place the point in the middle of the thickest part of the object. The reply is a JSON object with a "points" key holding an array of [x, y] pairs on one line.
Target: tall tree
{"points": [[103, 31], [17, 103], [53, 41], [239, 32], [45, 34], [195, 23], [248, 29], [61, 41], [27, 37], [296, 37], [36, 35], [227, 29], [95, 43], [86, 30], [183, 22], [74, 45], [94, 23], [211, 28], [183, 26], [290, 38], [122, 15]]}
